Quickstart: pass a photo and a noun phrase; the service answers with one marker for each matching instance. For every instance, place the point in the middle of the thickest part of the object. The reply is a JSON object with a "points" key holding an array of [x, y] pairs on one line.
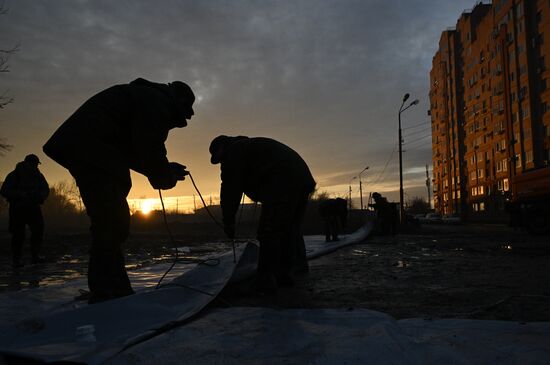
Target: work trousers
{"points": [[331, 228], [282, 247], [20, 216], [104, 197]]}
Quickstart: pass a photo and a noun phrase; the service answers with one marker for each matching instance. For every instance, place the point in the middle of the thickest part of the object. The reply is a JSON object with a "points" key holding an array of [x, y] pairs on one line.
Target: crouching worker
{"points": [[121, 128], [334, 213], [272, 173]]}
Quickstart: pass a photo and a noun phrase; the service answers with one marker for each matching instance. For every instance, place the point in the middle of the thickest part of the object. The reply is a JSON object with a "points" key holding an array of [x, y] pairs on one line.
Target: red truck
{"points": [[530, 204]]}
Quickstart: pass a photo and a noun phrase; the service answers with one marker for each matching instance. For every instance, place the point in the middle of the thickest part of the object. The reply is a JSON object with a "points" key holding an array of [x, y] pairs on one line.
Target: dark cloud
{"points": [[326, 77]]}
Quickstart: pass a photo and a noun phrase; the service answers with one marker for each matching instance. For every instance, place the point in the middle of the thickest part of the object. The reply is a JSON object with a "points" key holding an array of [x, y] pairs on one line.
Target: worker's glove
{"points": [[179, 170], [163, 182], [229, 230]]}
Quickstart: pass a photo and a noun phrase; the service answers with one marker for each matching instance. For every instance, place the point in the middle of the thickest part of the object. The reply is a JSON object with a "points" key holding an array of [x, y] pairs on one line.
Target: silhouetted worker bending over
{"points": [[123, 127], [25, 189], [334, 213], [386, 215], [269, 172]]}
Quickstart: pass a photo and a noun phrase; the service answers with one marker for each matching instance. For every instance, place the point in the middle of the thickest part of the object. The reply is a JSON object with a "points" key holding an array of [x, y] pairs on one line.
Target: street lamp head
{"points": [[415, 102], [405, 97]]}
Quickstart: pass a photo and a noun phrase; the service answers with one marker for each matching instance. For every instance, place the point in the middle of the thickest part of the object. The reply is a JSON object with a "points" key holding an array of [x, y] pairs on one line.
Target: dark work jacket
{"points": [[265, 170], [25, 186], [123, 127]]}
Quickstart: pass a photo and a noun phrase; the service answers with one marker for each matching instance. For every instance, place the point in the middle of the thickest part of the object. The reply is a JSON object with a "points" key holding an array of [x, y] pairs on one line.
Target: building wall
{"points": [[489, 104]]}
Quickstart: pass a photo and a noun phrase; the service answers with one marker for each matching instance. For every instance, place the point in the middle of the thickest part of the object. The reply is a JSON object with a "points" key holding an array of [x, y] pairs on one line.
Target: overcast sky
{"points": [[324, 77]]}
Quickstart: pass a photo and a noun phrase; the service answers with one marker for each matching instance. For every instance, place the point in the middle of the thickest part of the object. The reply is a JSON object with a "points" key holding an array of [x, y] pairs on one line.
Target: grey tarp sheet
{"points": [[337, 336], [49, 334]]}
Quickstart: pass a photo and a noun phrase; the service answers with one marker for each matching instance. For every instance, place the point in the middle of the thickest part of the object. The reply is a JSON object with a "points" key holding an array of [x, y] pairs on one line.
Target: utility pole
{"points": [[401, 110], [428, 186], [353, 178], [361, 186]]}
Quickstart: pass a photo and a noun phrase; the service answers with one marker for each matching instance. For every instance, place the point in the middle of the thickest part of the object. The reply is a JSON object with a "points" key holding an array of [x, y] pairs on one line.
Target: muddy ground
{"points": [[436, 271]]}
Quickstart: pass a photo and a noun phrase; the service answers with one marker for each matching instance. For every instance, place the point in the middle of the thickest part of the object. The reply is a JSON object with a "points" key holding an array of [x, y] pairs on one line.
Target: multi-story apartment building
{"points": [[490, 105]]}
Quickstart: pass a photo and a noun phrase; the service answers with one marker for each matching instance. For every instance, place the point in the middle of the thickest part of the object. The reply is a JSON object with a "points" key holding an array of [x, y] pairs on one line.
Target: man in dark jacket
{"points": [[272, 173], [334, 213], [121, 128], [25, 188], [386, 217]]}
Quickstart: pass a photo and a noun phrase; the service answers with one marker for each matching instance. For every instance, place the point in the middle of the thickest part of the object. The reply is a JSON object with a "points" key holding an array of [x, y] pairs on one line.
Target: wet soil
{"points": [[436, 271]]}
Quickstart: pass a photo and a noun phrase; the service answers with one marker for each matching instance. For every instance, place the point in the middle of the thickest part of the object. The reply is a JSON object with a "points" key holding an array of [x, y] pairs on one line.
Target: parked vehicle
{"points": [[431, 218]]}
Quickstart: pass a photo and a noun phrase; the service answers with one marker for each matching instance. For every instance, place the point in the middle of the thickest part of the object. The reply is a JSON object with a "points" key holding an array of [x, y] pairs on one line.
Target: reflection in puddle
{"points": [[402, 264], [359, 252], [59, 279]]}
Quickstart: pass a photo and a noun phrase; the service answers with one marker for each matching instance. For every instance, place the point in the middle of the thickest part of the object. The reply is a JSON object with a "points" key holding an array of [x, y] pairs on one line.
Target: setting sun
{"points": [[146, 206]]}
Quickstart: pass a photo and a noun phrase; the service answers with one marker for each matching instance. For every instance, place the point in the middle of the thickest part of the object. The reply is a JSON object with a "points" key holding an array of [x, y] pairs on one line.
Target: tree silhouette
{"points": [[5, 97]]}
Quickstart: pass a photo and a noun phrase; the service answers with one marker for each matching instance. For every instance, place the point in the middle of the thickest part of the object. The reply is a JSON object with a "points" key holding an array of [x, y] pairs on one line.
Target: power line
{"points": [[424, 130], [415, 125], [386, 165], [418, 139]]}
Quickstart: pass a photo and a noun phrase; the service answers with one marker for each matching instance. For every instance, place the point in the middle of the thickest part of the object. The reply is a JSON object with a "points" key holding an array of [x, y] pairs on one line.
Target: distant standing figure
{"points": [[25, 189], [269, 172], [386, 214], [121, 128], [334, 213]]}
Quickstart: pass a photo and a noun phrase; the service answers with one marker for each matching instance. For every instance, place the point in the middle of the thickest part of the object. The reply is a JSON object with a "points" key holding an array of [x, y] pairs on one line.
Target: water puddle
{"points": [[359, 252], [402, 264]]}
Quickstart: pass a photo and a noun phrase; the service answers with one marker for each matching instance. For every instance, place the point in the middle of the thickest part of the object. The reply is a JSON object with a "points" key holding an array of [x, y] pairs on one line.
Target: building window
{"points": [[519, 11], [522, 92], [522, 69], [525, 112], [528, 156], [543, 84], [544, 107], [480, 173], [502, 165], [518, 161], [505, 185], [480, 190], [474, 191], [473, 175]]}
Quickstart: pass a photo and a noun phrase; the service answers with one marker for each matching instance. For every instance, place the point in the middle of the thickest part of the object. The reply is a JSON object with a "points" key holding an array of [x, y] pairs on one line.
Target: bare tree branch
{"points": [[4, 147], [5, 99]]}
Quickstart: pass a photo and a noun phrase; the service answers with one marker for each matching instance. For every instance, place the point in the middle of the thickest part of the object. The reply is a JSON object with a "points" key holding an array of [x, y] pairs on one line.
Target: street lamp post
{"points": [[361, 186], [349, 204], [401, 110]]}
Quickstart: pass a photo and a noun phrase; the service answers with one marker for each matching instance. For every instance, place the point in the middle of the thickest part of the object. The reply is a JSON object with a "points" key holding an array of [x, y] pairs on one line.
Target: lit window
{"points": [[528, 156]]}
